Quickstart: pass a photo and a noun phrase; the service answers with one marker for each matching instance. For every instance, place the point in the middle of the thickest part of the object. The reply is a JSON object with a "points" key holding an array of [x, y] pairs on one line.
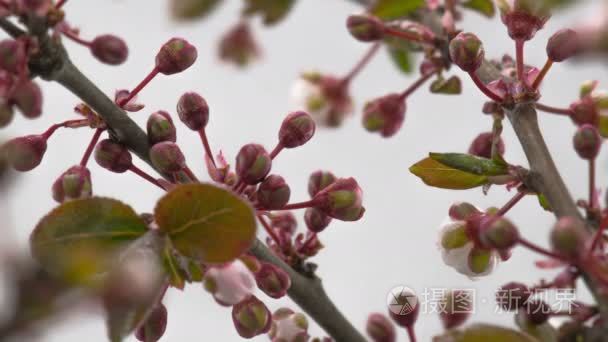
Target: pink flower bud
{"points": [[285, 222], [569, 237], [28, 98], [380, 328], [273, 193], [365, 28], [466, 51], [253, 163], [25, 153], [155, 325], [457, 306], [229, 284], [161, 128], [175, 56], [406, 318], [109, 49], [13, 56], [499, 233], [238, 45], [584, 111], [482, 146], [341, 200], [39, 8], [316, 221], [319, 180], [6, 113], [296, 129], [288, 326], [193, 111], [167, 157], [385, 115], [523, 18], [75, 183], [587, 142], [272, 280], [535, 312], [512, 296], [564, 44], [251, 317], [113, 156]]}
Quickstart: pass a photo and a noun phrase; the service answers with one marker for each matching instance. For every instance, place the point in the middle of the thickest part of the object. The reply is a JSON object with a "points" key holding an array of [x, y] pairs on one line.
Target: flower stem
{"points": [[269, 230], [519, 57], [301, 205], [411, 89], [542, 74], [540, 250], [190, 174], [60, 4], [89, 150], [362, 63], [206, 146], [145, 176], [69, 123], [276, 150], [512, 202], [75, 38], [598, 236], [139, 87], [484, 89], [592, 203], [553, 110], [411, 333], [406, 35]]}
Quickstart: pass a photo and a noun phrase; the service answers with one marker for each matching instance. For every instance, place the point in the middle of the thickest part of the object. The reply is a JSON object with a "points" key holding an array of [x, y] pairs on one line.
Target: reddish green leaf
{"points": [[485, 7], [450, 86], [394, 9], [484, 333], [81, 238], [401, 56], [192, 9], [603, 125], [472, 164], [271, 11], [435, 174], [206, 222]]}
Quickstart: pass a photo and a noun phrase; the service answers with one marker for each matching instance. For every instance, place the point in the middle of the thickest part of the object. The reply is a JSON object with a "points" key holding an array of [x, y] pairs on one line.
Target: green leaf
{"points": [[81, 238], [542, 200], [485, 7], [450, 86], [472, 164], [401, 56], [172, 266], [484, 333], [192, 9], [433, 173], [394, 9], [206, 223], [272, 11], [603, 125]]}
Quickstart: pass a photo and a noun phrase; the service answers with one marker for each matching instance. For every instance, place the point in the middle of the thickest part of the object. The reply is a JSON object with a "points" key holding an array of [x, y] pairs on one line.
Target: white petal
{"points": [[235, 282]]}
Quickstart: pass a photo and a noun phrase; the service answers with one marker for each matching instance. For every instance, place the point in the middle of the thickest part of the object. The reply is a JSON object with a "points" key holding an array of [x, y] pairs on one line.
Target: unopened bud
{"points": [[523, 18], [365, 28], [319, 180], [285, 222], [155, 325], [499, 233], [288, 326], [175, 56], [272, 280], [569, 237], [28, 98], [25, 153], [564, 44], [109, 49], [380, 329], [482, 145], [253, 163], [161, 128], [584, 111], [457, 307], [406, 318], [238, 45], [75, 183], [13, 56], [466, 51], [341, 200], [229, 284], [6, 113], [113, 156], [251, 317], [193, 111], [462, 210], [385, 115], [167, 157], [316, 221], [512, 296], [296, 129], [273, 193], [587, 142], [535, 312]]}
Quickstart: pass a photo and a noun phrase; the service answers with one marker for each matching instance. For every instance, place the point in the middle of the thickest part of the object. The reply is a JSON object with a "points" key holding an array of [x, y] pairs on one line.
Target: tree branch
{"points": [[306, 292]]}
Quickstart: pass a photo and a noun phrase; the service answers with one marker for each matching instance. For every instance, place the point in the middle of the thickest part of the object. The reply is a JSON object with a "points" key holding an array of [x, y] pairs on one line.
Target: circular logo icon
{"points": [[401, 300]]}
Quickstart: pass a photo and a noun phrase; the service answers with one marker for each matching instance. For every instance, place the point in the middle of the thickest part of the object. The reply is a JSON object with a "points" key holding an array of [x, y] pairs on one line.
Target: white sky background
{"points": [[395, 243]]}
